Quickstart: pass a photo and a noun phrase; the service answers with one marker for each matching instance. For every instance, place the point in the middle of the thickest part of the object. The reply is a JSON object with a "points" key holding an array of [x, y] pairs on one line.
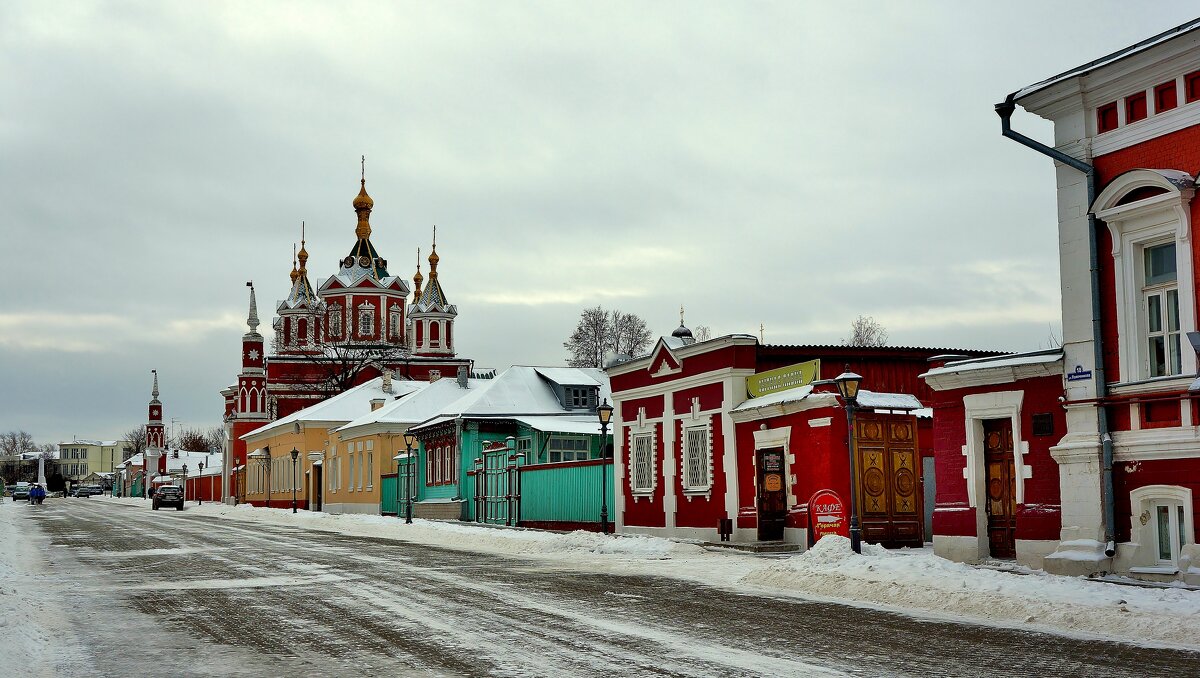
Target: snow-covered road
{"points": [[115, 588]]}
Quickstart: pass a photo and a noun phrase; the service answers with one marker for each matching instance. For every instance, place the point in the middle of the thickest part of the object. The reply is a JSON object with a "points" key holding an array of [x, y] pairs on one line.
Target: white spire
{"points": [[252, 320]]}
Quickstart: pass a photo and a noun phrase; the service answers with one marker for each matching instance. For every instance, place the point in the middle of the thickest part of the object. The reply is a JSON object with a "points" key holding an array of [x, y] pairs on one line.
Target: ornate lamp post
{"points": [[604, 411], [185, 482], [847, 384], [410, 441], [199, 494], [295, 455]]}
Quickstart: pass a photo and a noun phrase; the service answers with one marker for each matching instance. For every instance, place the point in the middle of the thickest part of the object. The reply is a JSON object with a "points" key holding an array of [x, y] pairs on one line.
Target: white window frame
{"points": [[1143, 504], [703, 467], [366, 318], [1135, 226], [651, 450], [370, 465], [335, 321], [1162, 290]]}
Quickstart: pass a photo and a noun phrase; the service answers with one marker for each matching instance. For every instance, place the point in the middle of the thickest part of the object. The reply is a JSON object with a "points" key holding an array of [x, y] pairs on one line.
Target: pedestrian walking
{"points": [[41, 493]]}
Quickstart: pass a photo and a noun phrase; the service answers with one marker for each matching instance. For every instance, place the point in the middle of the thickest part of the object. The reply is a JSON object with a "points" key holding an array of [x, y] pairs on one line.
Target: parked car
{"points": [[168, 495], [94, 490], [20, 491]]}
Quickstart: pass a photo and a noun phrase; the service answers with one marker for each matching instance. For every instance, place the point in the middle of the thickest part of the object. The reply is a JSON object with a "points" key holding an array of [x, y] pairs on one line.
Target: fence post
{"points": [[480, 506]]}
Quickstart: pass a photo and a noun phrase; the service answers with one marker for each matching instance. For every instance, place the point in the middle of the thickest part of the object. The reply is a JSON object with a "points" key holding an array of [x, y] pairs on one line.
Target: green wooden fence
{"points": [[567, 492]]}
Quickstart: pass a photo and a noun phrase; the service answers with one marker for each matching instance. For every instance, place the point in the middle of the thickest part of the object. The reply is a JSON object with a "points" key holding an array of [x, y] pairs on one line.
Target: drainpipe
{"points": [[1005, 111]]}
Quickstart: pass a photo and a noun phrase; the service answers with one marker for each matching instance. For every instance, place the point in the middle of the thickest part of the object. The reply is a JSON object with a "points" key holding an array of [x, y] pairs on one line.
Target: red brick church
{"points": [[359, 321]]}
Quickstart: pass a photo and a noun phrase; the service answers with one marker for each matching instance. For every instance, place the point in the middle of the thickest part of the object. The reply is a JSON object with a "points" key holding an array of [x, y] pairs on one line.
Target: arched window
{"points": [[335, 321], [434, 333], [366, 320], [1148, 215], [302, 332]]}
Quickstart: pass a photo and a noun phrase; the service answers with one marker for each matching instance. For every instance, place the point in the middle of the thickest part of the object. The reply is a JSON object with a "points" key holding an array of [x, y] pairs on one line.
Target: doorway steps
{"points": [[756, 546]]}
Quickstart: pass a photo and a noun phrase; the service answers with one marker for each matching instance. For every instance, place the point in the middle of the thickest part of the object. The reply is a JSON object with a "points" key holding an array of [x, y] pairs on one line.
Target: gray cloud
{"points": [[786, 164]]}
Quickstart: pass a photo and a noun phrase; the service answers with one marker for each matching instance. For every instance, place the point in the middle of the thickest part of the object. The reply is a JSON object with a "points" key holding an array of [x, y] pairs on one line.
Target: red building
{"points": [[343, 333], [1126, 146], [732, 429]]}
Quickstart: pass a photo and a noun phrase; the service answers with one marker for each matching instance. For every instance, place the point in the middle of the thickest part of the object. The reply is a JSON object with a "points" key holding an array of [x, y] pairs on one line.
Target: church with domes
{"points": [[326, 339]]}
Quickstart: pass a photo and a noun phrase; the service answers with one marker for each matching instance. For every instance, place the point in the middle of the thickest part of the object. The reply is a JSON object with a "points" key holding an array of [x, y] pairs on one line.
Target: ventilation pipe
{"points": [[1005, 110]]}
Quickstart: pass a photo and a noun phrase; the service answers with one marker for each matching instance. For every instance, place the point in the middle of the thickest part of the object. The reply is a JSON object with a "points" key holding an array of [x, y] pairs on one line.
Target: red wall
{"points": [[1130, 476], [1040, 516], [1179, 151]]}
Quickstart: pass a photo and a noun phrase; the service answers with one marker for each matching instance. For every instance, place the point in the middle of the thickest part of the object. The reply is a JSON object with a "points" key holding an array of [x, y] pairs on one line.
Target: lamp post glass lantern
{"points": [[295, 455], [604, 412], [847, 384], [199, 495], [185, 482], [410, 441]]}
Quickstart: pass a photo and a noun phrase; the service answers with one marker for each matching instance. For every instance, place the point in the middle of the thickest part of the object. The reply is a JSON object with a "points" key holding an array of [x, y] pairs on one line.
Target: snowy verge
{"points": [[912, 582]]}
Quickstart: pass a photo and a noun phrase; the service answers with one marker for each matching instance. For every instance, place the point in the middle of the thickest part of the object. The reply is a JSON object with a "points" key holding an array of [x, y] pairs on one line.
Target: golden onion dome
{"points": [[363, 201]]}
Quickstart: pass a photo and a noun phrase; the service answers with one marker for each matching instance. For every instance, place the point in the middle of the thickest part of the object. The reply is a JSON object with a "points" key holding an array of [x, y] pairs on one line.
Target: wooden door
{"points": [[1001, 503], [772, 494], [889, 492]]}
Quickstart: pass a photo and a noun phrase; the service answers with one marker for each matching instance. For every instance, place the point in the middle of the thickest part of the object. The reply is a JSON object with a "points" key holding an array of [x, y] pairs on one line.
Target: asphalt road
{"points": [[177, 593]]}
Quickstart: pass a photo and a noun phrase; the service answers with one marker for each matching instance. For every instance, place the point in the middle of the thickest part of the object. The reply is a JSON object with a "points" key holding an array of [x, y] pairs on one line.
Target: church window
{"points": [[394, 320], [302, 331], [434, 333], [335, 321], [366, 320]]}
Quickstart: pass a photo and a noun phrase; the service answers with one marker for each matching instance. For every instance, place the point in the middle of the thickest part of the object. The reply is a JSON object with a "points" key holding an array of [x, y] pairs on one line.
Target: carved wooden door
{"points": [[1001, 502], [889, 494]]}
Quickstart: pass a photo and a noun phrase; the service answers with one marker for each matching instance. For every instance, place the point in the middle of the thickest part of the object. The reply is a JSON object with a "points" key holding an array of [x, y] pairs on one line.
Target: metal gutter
{"points": [[1005, 110]]}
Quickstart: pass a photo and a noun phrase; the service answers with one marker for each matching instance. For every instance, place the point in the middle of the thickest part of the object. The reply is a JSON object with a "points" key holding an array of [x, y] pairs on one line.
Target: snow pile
{"points": [[921, 581]]}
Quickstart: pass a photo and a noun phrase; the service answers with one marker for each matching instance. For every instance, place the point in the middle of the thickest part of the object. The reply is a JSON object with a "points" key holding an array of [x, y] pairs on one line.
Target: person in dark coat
{"points": [[41, 493]]}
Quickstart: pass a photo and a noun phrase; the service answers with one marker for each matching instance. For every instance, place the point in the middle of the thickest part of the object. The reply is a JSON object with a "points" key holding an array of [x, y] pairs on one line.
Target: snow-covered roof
{"points": [[870, 400], [1011, 360], [568, 376], [867, 400], [1109, 59], [344, 407], [790, 395], [582, 425], [518, 391]]}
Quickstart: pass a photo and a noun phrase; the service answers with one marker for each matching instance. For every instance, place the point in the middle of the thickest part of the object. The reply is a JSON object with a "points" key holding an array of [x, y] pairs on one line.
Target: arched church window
{"points": [[394, 321], [366, 320], [335, 321], [302, 331]]}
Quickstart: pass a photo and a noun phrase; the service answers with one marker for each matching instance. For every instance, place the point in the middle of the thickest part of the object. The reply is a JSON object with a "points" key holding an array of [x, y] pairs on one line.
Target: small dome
{"points": [[418, 278], [682, 332], [434, 258]]}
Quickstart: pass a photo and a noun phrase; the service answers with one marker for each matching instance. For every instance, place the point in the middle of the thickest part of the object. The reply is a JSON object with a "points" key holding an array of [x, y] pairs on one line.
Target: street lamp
{"points": [[185, 482], [604, 411], [295, 455], [847, 385], [199, 495], [410, 440]]}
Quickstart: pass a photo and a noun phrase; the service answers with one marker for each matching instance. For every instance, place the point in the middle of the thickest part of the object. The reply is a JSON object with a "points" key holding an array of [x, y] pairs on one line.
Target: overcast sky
{"points": [[791, 164]]}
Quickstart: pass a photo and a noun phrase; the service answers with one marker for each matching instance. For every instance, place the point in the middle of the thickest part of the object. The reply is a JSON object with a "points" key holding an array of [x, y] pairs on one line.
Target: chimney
{"points": [[387, 381], [377, 403], [462, 376]]}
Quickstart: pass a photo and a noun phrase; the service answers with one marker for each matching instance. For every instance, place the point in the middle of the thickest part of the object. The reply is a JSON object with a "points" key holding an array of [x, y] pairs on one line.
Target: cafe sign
{"points": [[783, 378], [827, 515]]}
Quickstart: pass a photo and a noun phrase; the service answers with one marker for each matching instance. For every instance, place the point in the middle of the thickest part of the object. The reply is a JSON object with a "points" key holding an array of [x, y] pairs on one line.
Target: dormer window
{"points": [[580, 397]]}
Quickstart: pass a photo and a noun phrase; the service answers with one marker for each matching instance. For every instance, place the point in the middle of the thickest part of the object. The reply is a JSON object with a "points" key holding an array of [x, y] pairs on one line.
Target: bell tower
{"points": [[431, 315]]}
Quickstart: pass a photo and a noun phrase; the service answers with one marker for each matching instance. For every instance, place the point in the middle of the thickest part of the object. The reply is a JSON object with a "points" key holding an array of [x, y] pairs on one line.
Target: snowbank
{"points": [[908, 581]]}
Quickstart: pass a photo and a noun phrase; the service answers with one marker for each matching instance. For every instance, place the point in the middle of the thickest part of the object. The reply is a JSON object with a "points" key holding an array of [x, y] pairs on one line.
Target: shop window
{"points": [[1165, 97], [1135, 107], [1191, 87], [1106, 118]]}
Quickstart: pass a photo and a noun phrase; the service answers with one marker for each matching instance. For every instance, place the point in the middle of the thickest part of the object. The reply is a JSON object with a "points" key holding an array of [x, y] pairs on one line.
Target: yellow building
{"points": [[271, 475], [79, 459]]}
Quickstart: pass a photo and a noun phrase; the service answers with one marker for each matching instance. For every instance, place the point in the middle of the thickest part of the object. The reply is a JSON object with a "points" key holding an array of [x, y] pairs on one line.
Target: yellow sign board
{"points": [[782, 379]]}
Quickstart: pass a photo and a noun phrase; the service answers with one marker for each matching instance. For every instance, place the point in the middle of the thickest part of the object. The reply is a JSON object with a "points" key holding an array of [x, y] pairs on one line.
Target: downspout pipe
{"points": [[1005, 110]]}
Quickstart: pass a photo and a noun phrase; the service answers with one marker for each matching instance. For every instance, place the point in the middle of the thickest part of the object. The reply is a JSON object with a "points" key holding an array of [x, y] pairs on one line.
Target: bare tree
{"points": [[16, 443], [599, 332], [866, 331], [703, 333], [136, 437], [630, 334], [191, 440], [48, 451], [215, 439]]}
